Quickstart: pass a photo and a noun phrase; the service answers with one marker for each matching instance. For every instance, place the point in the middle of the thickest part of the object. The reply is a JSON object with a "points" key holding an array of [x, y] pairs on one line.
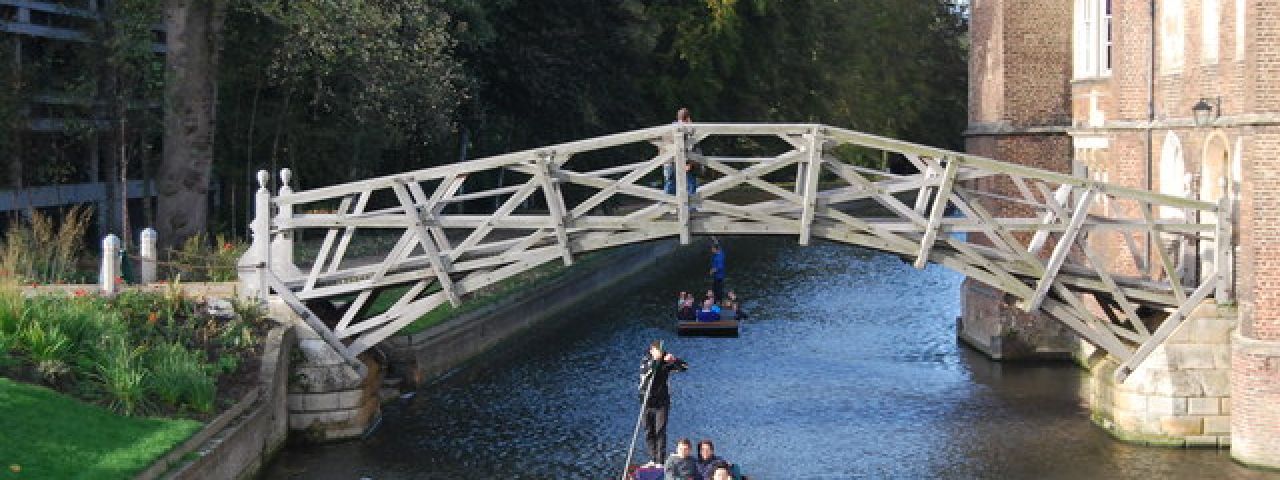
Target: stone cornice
{"points": [[1003, 128], [1234, 121]]}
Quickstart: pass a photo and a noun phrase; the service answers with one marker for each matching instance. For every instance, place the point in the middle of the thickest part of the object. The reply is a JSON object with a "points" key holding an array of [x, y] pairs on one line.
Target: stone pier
{"points": [[328, 400], [1181, 394]]}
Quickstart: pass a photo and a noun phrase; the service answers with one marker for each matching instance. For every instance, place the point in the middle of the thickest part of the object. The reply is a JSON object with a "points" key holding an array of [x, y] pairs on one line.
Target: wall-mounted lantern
{"points": [[1204, 112]]}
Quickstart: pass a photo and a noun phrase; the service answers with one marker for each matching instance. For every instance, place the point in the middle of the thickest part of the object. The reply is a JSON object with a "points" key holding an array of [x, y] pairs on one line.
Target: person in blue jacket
{"points": [[717, 273]]}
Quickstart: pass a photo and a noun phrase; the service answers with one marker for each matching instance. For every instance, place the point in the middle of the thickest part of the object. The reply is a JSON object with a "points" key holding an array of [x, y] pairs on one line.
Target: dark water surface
{"points": [[848, 368]]}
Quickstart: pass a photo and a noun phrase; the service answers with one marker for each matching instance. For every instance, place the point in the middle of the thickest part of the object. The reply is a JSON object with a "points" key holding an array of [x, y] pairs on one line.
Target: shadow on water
{"points": [[848, 368]]}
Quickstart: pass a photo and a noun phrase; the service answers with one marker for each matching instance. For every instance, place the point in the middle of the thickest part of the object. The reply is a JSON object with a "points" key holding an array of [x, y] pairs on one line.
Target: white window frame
{"points": [[1173, 32], [1092, 38], [1210, 31], [1240, 29]]}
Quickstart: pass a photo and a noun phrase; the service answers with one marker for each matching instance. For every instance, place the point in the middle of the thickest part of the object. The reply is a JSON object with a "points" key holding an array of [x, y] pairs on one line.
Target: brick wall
{"points": [[1021, 76]]}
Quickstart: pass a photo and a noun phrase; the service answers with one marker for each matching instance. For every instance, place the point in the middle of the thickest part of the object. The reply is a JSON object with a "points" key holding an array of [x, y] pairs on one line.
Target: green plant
{"points": [[122, 377], [180, 377], [36, 250], [12, 304], [237, 336], [198, 260], [48, 347], [249, 310], [228, 364]]}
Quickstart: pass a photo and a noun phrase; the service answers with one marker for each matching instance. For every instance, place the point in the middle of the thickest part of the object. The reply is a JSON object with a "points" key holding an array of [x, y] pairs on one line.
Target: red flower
{"points": [[119, 280], [227, 247], [79, 292]]}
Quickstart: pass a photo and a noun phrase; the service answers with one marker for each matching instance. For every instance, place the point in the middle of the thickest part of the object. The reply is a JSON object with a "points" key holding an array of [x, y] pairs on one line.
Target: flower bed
{"points": [[141, 353]]}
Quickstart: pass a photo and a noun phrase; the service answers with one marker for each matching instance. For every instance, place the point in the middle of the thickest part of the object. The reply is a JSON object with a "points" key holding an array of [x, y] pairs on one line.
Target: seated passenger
{"points": [[707, 459], [738, 312], [680, 465], [707, 314], [721, 471], [687, 313]]}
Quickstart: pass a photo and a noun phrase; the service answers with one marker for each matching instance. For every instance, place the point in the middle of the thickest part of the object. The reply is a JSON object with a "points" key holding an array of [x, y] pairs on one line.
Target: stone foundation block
{"points": [[1129, 401], [1167, 405], [1191, 356], [315, 402], [1212, 383], [1203, 406], [1182, 426], [1217, 425]]}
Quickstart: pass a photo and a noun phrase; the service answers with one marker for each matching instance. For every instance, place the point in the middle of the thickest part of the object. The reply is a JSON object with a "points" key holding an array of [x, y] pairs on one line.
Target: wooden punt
{"points": [[725, 327]]}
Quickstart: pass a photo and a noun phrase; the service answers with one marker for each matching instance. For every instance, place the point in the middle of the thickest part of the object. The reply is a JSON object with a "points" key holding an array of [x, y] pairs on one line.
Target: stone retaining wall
{"points": [[242, 446], [424, 356]]}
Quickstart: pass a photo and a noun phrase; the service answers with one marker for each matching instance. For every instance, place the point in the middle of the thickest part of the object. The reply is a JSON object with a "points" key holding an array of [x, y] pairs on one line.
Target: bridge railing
{"points": [[1099, 257]]}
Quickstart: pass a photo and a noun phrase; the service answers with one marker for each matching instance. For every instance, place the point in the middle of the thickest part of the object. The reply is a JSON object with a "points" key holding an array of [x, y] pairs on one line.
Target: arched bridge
{"points": [[1108, 261]]}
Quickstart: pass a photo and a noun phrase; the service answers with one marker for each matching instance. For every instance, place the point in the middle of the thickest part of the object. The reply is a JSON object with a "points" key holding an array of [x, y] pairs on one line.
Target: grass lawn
{"points": [[49, 435]]}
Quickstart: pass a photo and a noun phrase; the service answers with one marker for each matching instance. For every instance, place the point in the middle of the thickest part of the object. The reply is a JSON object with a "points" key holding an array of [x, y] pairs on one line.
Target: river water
{"points": [[848, 368]]}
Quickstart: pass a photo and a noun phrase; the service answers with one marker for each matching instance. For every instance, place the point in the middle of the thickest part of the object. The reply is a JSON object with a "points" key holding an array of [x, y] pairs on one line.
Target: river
{"points": [[848, 368]]}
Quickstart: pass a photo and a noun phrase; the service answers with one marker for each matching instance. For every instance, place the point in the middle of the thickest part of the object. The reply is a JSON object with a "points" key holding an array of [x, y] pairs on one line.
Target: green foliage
{"points": [[139, 352], [180, 377], [48, 347], [200, 259], [39, 249], [123, 377]]}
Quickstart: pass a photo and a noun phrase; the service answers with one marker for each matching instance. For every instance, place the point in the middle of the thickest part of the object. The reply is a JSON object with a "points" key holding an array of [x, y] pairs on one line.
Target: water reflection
{"points": [[847, 369]]}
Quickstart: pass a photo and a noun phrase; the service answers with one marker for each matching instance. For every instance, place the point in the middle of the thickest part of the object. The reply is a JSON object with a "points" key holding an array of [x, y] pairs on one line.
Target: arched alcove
{"points": [[1215, 183], [1172, 174]]}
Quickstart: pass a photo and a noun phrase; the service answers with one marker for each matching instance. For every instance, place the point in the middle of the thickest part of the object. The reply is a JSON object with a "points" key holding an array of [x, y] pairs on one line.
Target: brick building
{"points": [[1176, 96]]}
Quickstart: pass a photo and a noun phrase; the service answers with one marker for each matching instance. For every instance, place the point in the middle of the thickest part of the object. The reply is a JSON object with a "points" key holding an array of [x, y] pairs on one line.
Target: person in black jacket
{"points": [[654, 374]]}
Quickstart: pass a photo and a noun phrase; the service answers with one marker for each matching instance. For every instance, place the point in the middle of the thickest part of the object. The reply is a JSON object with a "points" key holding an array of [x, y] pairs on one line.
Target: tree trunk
{"points": [[193, 33]]}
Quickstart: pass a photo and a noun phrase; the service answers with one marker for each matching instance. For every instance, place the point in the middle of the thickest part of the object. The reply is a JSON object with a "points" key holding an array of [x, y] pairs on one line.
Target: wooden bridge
{"points": [[1108, 261]]}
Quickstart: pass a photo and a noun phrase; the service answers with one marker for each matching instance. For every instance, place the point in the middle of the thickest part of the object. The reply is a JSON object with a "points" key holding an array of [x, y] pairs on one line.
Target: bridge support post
{"points": [[252, 267], [282, 243]]}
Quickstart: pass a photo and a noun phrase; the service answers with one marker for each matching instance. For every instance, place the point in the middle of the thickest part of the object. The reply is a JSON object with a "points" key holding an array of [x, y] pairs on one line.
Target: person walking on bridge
{"points": [[717, 273], [654, 375]]}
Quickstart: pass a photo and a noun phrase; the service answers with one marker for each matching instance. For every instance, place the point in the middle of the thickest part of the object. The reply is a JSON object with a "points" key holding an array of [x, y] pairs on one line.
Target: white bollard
{"points": [[147, 250], [110, 265]]}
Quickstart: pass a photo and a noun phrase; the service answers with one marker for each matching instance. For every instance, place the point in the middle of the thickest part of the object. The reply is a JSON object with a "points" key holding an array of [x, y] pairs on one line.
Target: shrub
{"points": [[35, 250], [202, 260], [48, 347], [122, 377], [12, 304], [180, 377]]}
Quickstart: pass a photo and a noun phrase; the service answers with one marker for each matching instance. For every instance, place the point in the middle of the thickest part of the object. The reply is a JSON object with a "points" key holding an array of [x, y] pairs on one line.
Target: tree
{"points": [[193, 33]]}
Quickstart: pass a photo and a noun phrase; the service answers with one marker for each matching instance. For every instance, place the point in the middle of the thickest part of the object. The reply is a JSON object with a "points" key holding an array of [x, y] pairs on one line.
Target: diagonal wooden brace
{"points": [[433, 254], [1061, 250], [940, 202]]}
